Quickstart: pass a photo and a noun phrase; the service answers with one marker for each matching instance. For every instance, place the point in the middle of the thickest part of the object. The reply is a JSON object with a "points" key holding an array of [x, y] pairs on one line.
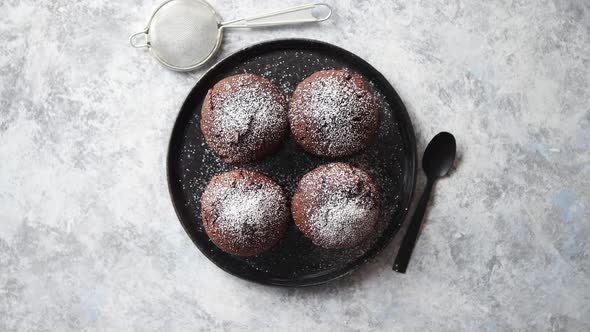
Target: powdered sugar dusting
{"points": [[242, 202], [342, 221], [245, 210], [333, 114], [247, 115], [340, 205]]}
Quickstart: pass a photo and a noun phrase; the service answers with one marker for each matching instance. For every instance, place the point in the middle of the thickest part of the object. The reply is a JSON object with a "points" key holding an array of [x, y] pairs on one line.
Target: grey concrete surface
{"points": [[89, 240]]}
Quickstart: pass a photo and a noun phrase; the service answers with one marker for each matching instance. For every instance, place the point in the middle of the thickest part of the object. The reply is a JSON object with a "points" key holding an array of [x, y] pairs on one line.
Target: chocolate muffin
{"points": [[244, 212], [243, 118], [332, 113], [336, 206]]}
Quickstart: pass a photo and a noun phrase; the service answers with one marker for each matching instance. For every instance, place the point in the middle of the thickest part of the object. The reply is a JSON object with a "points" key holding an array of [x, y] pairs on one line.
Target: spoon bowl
{"points": [[439, 155]]}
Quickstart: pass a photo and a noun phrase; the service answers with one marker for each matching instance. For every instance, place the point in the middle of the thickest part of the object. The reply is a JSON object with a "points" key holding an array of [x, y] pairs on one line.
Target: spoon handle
{"points": [[409, 241]]}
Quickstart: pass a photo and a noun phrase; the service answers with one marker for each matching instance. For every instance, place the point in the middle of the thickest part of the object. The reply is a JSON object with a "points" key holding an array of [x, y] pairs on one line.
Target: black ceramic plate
{"points": [[390, 160]]}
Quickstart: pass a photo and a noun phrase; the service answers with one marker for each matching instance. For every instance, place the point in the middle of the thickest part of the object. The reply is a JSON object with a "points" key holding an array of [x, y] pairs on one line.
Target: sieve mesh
{"points": [[184, 33]]}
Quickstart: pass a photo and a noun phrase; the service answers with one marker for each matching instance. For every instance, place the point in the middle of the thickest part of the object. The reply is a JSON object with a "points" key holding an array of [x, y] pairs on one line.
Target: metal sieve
{"points": [[184, 34]]}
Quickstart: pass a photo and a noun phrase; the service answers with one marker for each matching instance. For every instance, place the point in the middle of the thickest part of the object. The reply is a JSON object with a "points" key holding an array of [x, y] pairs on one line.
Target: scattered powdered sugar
{"points": [[248, 113], [383, 160], [335, 113]]}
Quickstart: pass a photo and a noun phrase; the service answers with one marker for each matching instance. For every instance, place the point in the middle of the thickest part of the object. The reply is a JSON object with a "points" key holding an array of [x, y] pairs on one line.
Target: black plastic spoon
{"points": [[437, 161]]}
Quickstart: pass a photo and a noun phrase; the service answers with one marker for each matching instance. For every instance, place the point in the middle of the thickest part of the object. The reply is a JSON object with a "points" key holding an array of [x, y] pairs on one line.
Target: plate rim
{"points": [[412, 177]]}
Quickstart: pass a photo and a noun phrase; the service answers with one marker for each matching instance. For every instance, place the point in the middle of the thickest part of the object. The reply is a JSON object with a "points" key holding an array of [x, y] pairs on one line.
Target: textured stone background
{"points": [[89, 240]]}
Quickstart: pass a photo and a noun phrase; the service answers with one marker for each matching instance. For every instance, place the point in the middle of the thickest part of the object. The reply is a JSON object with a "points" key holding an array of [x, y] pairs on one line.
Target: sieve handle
{"points": [[133, 39], [315, 12]]}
